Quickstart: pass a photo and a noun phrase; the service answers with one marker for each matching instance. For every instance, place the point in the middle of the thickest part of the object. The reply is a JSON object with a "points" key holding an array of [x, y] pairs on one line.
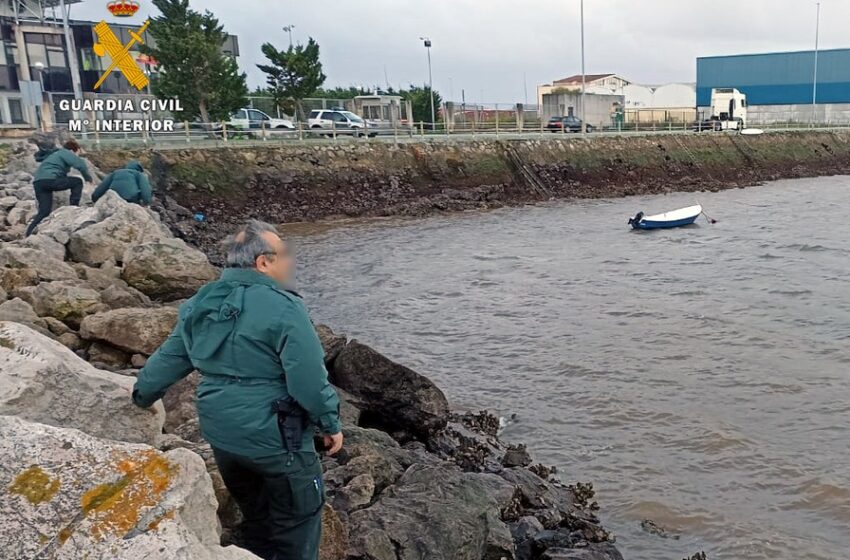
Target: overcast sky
{"points": [[492, 48]]}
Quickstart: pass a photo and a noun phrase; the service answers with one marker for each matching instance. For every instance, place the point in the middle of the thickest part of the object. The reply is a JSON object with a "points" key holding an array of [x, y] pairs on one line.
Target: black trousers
{"points": [[44, 189], [281, 499]]}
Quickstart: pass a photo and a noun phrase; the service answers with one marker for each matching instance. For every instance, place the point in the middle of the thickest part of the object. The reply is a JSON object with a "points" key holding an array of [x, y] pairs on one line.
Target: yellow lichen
{"points": [[154, 525], [117, 507], [35, 485]]}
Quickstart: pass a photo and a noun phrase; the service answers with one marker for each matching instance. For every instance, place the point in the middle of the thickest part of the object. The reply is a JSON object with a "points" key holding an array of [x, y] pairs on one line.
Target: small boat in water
{"points": [[674, 218]]}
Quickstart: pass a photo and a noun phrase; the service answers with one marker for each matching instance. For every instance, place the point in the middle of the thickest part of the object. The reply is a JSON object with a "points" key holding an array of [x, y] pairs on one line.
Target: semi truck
{"points": [[728, 111]]}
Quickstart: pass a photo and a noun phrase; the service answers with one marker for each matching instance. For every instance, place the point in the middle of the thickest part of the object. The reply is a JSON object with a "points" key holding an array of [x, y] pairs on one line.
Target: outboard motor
{"points": [[636, 220]]}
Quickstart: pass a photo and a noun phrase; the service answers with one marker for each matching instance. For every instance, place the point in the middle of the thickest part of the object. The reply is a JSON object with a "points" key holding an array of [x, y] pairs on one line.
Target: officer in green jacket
{"points": [[52, 176], [263, 392], [130, 183]]}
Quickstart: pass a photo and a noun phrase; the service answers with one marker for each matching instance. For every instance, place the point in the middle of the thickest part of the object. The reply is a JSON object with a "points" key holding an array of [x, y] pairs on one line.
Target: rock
{"points": [[432, 512], [22, 213], [67, 301], [389, 395], [56, 326], [114, 292], [19, 311], [42, 381], [44, 244], [356, 494], [167, 269], [70, 340], [108, 357], [516, 456], [12, 279], [135, 330], [138, 361], [179, 402], [66, 494], [604, 551], [334, 543], [332, 343], [8, 202], [47, 267], [121, 226], [525, 528], [63, 221]]}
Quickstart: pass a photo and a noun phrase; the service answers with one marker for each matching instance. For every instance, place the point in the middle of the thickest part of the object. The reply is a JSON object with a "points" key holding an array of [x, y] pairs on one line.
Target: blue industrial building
{"points": [[774, 79]]}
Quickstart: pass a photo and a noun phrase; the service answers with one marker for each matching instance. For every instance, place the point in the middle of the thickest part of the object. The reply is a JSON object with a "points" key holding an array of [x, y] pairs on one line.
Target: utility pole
{"points": [[583, 75], [427, 42], [288, 29], [71, 48], [815, 78]]}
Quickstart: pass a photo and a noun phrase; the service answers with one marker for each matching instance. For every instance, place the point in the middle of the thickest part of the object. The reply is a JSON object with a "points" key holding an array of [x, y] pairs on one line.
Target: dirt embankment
{"points": [[320, 181]]}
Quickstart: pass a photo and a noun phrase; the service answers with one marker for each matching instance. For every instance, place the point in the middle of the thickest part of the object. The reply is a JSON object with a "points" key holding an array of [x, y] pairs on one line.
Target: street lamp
{"points": [[427, 43], [39, 67], [288, 29], [583, 75], [815, 78]]}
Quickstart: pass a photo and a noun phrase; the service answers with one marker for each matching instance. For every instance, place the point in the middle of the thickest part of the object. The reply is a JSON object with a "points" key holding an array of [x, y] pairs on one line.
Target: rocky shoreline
{"points": [[84, 473], [324, 181]]}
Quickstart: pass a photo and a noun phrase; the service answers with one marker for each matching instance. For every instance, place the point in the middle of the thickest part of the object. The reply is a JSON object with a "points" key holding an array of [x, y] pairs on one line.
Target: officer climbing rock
{"points": [[130, 183], [263, 392], [52, 176]]}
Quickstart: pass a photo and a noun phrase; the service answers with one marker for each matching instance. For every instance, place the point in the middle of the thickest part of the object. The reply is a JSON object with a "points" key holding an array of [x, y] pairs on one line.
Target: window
{"points": [[37, 53], [56, 58], [314, 114], [257, 115], [16, 111]]}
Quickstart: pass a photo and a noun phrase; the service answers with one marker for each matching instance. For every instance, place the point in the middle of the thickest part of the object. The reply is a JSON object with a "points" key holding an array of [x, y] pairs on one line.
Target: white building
{"points": [[603, 84]]}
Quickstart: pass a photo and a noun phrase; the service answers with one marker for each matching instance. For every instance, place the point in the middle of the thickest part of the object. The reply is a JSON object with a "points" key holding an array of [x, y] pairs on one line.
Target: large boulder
{"points": [[68, 495], [389, 395], [167, 269], [136, 330], [43, 381], [64, 221], [120, 225], [68, 301], [46, 266], [434, 512], [19, 311]]}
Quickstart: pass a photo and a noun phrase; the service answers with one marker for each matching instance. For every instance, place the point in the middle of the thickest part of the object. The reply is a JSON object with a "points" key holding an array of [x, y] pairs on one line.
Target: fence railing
{"points": [[224, 134]]}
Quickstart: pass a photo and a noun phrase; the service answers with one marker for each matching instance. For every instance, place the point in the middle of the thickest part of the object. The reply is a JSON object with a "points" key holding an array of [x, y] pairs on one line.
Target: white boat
{"points": [[674, 218]]}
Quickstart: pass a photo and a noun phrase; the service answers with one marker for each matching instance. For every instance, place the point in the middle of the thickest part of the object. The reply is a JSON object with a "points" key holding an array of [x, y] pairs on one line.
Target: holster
{"points": [[292, 421]]}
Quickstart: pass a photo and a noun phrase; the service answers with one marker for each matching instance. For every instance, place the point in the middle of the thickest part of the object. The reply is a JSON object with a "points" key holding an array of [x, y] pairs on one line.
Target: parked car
{"points": [[566, 124], [338, 121], [254, 119]]}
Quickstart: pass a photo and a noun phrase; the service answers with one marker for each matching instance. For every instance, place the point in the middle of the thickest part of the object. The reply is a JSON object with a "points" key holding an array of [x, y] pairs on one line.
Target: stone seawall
{"points": [[316, 181]]}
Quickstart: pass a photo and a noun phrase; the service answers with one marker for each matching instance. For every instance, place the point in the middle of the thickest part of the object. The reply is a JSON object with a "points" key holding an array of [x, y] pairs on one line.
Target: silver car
{"points": [[338, 121]]}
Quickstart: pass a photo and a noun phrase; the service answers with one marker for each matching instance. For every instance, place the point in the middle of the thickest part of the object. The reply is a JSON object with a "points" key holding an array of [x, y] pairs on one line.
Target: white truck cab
{"points": [[729, 108]]}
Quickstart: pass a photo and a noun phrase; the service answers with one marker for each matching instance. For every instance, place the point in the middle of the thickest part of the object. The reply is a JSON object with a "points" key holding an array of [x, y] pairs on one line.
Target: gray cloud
{"points": [[486, 47]]}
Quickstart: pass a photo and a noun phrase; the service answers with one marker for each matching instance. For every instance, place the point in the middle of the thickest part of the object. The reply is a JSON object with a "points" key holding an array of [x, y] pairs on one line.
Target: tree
{"points": [[349, 92], [191, 65], [293, 74], [420, 101]]}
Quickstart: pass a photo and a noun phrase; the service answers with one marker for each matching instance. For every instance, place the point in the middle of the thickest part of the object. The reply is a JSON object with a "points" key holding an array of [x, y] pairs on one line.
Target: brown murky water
{"points": [[699, 377]]}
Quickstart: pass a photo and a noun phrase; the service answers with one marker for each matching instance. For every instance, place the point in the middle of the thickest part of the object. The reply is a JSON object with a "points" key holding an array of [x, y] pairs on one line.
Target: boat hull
{"points": [[647, 224]]}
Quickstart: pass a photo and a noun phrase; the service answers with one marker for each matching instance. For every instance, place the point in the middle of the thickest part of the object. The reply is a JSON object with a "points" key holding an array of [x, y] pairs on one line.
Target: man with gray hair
{"points": [[263, 393]]}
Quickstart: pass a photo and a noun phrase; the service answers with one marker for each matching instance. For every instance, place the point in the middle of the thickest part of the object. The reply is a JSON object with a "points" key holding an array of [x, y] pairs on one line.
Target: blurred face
{"points": [[278, 263]]}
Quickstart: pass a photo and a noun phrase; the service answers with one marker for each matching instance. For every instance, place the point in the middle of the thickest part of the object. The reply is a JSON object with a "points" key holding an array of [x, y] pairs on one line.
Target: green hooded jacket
{"points": [[253, 343], [57, 165], [130, 183]]}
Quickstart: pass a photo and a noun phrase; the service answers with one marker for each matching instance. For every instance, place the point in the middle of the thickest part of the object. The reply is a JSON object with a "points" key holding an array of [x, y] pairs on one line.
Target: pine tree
{"points": [[191, 65], [293, 74]]}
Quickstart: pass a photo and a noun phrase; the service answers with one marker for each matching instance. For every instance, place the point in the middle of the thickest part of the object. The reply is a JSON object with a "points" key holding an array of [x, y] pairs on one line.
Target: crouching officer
{"points": [[263, 389], [130, 183]]}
